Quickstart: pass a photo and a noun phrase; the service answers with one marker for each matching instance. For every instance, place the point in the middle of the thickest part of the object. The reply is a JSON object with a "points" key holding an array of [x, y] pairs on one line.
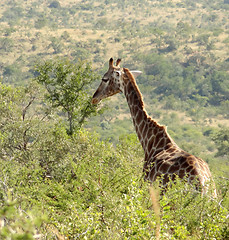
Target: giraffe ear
{"points": [[136, 73]]}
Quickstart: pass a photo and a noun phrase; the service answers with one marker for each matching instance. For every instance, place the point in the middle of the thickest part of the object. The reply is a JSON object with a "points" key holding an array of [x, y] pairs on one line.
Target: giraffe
{"points": [[163, 157]]}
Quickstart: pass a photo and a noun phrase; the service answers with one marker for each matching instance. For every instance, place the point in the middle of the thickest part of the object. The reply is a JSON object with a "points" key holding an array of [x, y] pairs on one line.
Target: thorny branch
{"points": [[26, 108]]}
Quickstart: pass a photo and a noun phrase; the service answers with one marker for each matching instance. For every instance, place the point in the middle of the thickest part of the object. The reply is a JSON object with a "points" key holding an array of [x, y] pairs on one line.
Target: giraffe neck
{"points": [[153, 137]]}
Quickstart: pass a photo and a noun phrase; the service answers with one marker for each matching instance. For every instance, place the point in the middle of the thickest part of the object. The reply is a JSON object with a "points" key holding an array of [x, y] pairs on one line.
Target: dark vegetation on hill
{"points": [[73, 171]]}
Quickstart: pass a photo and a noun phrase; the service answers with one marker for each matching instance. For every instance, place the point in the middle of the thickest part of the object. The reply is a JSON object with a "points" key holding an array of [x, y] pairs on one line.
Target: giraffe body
{"points": [[163, 158]]}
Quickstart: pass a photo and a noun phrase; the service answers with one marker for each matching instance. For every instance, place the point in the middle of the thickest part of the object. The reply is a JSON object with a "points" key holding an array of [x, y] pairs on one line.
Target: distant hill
{"points": [[96, 30]]}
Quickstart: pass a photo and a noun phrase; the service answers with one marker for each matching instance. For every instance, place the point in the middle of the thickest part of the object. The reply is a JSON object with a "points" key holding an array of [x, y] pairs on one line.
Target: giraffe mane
{"points": [[134, 84], [140, 98]]}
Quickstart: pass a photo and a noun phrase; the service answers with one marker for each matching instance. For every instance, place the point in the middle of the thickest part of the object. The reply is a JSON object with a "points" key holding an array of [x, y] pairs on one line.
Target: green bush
{"points": [[53, 185]]}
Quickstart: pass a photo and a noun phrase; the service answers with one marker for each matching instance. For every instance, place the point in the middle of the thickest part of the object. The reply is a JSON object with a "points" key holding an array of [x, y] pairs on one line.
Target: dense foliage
{"points": [[66, 84], [56, 185]]}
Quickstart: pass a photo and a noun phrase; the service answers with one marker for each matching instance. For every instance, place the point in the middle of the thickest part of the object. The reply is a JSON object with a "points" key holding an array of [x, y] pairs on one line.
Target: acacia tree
{"points": [[67, 84]]}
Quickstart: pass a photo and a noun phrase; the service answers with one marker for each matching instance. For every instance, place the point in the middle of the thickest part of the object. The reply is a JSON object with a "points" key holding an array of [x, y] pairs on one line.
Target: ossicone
{"points": [[111, 62], [118, 62]]}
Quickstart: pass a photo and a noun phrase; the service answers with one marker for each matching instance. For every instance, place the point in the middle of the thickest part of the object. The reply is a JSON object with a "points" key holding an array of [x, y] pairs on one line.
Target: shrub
{"points": [[54, 4]]}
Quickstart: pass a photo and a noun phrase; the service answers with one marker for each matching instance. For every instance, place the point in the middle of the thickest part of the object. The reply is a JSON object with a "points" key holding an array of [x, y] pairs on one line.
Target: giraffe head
{"points": [[112, 82]]}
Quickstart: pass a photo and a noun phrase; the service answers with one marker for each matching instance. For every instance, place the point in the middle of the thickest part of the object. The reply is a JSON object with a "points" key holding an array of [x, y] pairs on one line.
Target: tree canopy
{"points": [[67, 88]]}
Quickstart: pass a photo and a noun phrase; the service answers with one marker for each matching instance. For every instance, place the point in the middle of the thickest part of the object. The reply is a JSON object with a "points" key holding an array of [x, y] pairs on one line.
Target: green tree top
{"points": [[66, 84]]}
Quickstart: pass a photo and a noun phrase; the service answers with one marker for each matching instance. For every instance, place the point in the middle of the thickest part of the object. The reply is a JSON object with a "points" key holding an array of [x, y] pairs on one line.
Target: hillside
{"points": [[187, 41], [97, 30]]}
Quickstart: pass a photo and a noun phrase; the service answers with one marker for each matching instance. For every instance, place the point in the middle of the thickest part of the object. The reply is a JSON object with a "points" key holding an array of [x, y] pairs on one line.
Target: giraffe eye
{"points": [[117, 74], [105, 79]]}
